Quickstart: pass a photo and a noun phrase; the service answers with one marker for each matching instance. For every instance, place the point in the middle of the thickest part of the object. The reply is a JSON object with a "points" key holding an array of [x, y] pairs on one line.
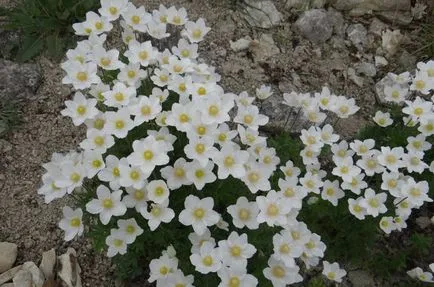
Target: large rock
{"points": [[263, 48], [357, 33], [23, 279], [8, 255], [262, 14], [9, 275], [18, 81], [37, 275], [48, 263], [372, 5], [315, 25], [69, 270]]}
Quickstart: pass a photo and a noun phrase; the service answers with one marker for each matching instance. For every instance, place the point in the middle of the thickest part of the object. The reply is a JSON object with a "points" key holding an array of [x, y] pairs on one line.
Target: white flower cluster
{"points": [[424, 276], [187, 100]]}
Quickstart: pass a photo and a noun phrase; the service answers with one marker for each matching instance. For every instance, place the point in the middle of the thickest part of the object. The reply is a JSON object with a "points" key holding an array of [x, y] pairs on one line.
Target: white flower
{"points": [[130, 228], [196, 31], [392, 183], [119, 96], [285, 249], [264, 92], [136, 18], [395, 93], [107, 204], [314, 246], [72, 176], [71, 222], [198, 240], [345, 169], [158, 213], [382, 119], [230, 161], [244, 100], [215, 110], [112, 9], [418, 108], [416, 192], [426, 126], [413, 161], [176, 176], [272, 209], [344, 107], [157, 191], [111, 173], [418, 143], [422, 83], [244, 213], [232, 276], [250, 136], [391, 158], [132, 75], [185, 50], [401, 79], [356, 209], [200, 149], [327, 136], [177, 279], [256, 177], [292, 193], [333, 272], [97, 140], [94, 24], [116, 243], [93, 162], [311, 182], [198, 213], [207, 260], [281, 275], [80, 109], [224, 135], [108, 60], [162, 268], [356, 184], [81, 76], [369, 163], [145, 109], [200, 175], [147, 154], [176, 17], [290, 170], [164, 136], [157, 30], [387, 224], [118, 123], [418, 273], [131, 176], [362, 147], [332, 192], [136, 198], [341, 151], [143, 53], [49, 189], [250, 117], [236, 250], [374, 203]]}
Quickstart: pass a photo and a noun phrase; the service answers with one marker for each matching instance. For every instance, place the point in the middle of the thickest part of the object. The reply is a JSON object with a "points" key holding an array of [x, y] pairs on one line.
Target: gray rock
{"points": [[377, 27], [315, 25], [9, 275], [23, 278], [373, 5], [423, 222], [37, 275], [407, 61], [69, 271], [365, 68], [396, 17], [297, 4], [262, 14], [353, 77], [48, 263], [357, 34], [8, 255], [240, 44], [263, 48], [391, 40], [337, 20], [361, 278], [19, 81], [380, 61]]}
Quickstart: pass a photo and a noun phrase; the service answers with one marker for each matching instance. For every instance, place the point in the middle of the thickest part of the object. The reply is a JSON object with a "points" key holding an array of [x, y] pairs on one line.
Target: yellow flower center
{"points": [[200, 148], [415, 192], [107, 203], [82, 76], [235, 251], [176, 20], [143, 55], [289, 192], [197, 33], [201, 91], [267, 159], [116, 172], [331, 275], [88, 30], [131, 229], [148, 155], [244, 214], [145, 110], [113, 10], [207, 261], [330, 191], [248, 119], [222, 137], [75, 177], [182, 87], [395, 94], [278, 271], [253, 177], [75, 222], [164, 270], [310, 183], [418, 111], [371, 163], [119, 97], [99, 140], [310, 245], [229, 161], [185, 53], [156, 211], [213, 110], [404, 204], [344, 169], [105, 62], [96, 163], [118, 242], [417, 144], [284, 248], [139, 195], [234, 282], [179, 172], [272, 210], [159, 191], [373, 202], [99, 25], [134, 175], [184, 118], [177, 69], [344, 109], [357, 208], [135, 19], [414, 161], [120, 124], [384, 223], [201, 130], [81, 110], [420, 84], [199, 213], [392, 183], [391, 159], [131, 74], [199, 173]]}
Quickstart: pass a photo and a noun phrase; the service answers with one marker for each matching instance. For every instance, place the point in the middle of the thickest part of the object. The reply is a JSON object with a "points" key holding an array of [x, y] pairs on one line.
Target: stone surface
{"points": [[395, 17], [69, 270], [353, 77], [263, 48], [240, 44], [37, 275], [8, 255], [48, 263], [380, 61], [377, 27], [19, 81], [23, 279], [373, 5], [361, 278], [262, 14], [365, 68], [315, 25], [423, 222], [357, 33], [391, 40], [9, 275]]}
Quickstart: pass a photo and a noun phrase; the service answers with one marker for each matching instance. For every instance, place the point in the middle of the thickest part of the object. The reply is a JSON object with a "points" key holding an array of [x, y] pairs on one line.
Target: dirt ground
{"points": [[299, 65]]}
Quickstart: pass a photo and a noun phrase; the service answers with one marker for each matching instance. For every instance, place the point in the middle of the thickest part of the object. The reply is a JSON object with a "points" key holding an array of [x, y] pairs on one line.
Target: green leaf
{"points": [[32, 46], [55, 45]]}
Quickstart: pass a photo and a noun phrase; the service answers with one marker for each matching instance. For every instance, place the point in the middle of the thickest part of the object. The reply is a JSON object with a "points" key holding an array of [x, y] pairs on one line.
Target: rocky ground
{"points": [[295, 45]]}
